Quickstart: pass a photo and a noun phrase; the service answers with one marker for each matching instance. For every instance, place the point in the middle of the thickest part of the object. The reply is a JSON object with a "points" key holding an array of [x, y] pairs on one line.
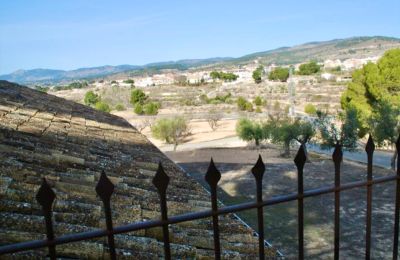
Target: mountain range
{"points": [[354, 47]]}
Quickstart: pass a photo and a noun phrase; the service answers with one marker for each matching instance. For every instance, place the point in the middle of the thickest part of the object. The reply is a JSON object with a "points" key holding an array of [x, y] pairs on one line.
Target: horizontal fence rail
{"points": [[105, 189]]}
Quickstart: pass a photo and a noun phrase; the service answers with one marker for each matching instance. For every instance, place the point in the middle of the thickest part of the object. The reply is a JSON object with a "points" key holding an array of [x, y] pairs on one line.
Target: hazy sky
{"points": [[72, 34]]}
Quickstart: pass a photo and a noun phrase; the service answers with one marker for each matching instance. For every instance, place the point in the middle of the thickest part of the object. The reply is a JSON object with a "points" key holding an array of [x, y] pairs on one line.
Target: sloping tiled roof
{"points": [[70, 144]]}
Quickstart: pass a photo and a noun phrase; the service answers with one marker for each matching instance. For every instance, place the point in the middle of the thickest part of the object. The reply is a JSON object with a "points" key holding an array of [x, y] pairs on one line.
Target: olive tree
{"points": [[171, 130]]}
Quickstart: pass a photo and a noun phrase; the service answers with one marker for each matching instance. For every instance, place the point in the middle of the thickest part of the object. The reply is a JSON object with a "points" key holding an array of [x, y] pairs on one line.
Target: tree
{"points": [[102, 106], [249, 131], [138, 96], [279, 74], [340, 130], [310, 109], [385, 122], [171, 130], [213, 118], [286, 131], [91, 98], [214, 75], [257, 74], [372, 87], [309, 68]]}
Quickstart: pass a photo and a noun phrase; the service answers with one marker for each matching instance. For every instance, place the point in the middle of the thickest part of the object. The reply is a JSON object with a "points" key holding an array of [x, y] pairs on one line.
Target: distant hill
{"points": [[355, 47]]}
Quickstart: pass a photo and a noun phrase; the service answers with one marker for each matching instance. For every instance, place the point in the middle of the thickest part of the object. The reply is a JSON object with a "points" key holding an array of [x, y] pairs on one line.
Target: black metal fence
{"points": [[105, 189]]}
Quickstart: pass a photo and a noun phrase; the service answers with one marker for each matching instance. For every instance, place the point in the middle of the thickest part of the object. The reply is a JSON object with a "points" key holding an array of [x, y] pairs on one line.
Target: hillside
{"points": [[359, 47]]}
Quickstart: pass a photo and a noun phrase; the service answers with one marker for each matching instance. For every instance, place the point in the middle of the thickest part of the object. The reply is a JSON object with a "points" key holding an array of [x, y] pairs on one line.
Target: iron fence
{"points": [[105, 189]]}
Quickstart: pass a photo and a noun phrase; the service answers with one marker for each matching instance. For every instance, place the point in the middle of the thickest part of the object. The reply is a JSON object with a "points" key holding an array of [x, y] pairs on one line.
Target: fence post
{"points": [[370, 147], [161, 181], [337, 157], [45, 196], [212, 178], [300, 160], [105, 189], [258, 172], [397, 208]]}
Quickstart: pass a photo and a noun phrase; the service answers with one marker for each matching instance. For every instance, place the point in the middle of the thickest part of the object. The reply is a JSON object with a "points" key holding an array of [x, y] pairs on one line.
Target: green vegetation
{"points": [[226, 76], [248, 130], [244, 105], [120, 107], [151, 108], [374, 93], [257, 74], [41, 88], [129, 81], [138, 96], [219, 99], [138, 109], [259, 101], [310, 109], [345, 134], [102, 106], [73, 85], [309, 68], [279, 74], [171, 130], [279, 131], [91, 98], [285, 131]]}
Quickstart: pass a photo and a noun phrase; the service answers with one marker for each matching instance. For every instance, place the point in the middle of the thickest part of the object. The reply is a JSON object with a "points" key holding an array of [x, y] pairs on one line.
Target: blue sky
{"points": [[73, 34]]}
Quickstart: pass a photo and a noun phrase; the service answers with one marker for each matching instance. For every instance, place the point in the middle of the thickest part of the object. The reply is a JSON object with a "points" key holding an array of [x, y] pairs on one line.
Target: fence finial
{"points": [[161, 179], [370, 147], [45, 196], [258, 169], [104, 187], [213, 175], [301, 157]]}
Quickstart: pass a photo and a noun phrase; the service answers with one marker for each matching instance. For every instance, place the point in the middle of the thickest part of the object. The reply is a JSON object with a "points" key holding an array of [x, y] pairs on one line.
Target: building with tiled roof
{"points": [[70, 144]]}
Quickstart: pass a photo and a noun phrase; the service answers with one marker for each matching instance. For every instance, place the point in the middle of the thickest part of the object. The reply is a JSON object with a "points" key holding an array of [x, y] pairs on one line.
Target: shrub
{"points": [[151, 108], [279, 74], [258, 101], [91, 98], [129, 81], [309, 68], [257, 74], [120, 107], [138, 96], [241, 102], [258, 110], [310, 109], [102, 106], [138, 109], [249, 107]]}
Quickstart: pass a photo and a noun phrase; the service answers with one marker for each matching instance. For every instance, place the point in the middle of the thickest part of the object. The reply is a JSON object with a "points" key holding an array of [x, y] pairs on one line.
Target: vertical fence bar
{"points": [[258, 172], [212, 178], [300, 160], [105, 189], [370, 152], [337, 157], [397, 208], [161, 181], [45, 196]]}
